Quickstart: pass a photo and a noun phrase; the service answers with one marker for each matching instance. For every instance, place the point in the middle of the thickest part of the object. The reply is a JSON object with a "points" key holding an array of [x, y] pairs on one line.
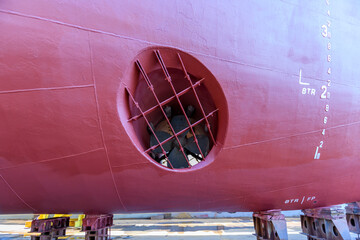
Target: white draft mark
{"points": [[300, 79], [317, 154]]}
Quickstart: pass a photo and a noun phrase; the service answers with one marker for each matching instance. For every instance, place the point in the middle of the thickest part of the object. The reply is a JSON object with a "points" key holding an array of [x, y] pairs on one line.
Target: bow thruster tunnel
{"points": [[176, 111]]}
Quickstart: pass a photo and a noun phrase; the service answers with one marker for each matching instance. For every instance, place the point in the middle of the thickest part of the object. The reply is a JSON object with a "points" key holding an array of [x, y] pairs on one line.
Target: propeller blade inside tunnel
{"points": [[177, 159], [203, 144], [161, 136], [179, 123]]}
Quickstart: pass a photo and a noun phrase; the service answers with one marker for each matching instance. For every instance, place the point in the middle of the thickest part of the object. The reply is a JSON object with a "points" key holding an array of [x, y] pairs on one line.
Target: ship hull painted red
{"points": [[64, 148]]}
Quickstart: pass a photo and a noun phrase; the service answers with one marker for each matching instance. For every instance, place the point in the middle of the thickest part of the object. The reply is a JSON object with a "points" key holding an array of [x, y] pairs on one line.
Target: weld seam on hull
{"points": [[100, 124], [45, 89], [52, 159], [165, 45], [17, 195], [290, 136]]}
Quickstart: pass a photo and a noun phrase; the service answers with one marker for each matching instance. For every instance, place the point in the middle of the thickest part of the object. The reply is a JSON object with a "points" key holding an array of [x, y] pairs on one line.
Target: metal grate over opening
{"points": [[185, 138]]}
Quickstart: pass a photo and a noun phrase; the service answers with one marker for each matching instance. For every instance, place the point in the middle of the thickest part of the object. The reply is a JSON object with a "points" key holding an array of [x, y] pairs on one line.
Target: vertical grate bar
{"points": [[197, 98], [168, 78], [151, 87], [147, 122]]}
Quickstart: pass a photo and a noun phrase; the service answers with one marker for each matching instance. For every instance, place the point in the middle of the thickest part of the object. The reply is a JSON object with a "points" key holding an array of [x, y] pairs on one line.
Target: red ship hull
{"points": [[283, 142]]}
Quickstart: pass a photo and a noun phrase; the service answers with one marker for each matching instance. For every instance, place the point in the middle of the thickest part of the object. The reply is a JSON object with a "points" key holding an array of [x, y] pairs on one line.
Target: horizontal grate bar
{"points": [[163, 103]]}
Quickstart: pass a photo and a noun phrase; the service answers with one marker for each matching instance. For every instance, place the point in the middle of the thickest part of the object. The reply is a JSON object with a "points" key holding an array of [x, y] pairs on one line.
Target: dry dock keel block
{"points": [[353, 217], [270, 225], [50, 228], [328, 223], [97, 227]]}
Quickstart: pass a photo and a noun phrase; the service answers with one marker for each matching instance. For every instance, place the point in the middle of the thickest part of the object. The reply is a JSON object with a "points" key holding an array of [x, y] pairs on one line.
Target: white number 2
{"points": [[324, 88]]}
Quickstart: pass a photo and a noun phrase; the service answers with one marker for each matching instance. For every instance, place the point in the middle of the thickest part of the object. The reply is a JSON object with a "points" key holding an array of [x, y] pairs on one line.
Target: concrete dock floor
{"points": [[175, 229]]}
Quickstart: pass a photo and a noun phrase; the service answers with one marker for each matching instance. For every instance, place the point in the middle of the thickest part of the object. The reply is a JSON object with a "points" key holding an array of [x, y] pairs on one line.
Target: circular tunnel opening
{"points": [[175, 109]]}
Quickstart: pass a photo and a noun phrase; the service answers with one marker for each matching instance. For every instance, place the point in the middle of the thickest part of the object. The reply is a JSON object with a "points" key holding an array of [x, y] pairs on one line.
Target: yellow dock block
{"points": [[62, 215], [31, 234], [45, 216], [28, 224], [77, 223], [72, 222]]}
